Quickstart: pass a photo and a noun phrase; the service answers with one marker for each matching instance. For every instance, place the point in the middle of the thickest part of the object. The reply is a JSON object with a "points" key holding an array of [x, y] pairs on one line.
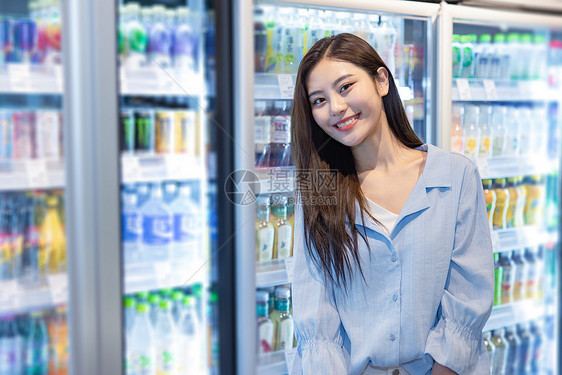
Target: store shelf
{"points": [[16, 297], [514, 313], [518, 238], [501, 90], [274, 272], [275, 363], [505, 166], [160, 167], [31, 174], [157, 81], [276, 180], [159, 275], [31, 79]]}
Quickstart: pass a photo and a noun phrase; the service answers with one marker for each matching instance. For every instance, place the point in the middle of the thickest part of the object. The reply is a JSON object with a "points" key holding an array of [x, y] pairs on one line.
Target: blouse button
{"points": [[393, 259], [395, 297], [392, 337], [396, 372]]}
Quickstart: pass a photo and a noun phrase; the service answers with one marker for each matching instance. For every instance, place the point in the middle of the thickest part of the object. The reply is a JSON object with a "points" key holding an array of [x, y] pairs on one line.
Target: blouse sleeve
{"points": [[316, 319], [456, 340]]}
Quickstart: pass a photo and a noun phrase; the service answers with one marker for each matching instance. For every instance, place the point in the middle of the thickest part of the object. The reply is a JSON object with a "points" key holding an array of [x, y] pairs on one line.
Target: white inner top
{"points": [[387, 218]]}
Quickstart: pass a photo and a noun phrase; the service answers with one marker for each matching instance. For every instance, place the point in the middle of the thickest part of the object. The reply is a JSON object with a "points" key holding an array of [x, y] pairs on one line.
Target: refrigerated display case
{"points": [[267, 58], [500, 106], [34, 334]]}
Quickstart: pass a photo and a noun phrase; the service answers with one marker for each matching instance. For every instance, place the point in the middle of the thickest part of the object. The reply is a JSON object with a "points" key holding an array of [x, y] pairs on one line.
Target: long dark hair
{"points": [[331, 244]]}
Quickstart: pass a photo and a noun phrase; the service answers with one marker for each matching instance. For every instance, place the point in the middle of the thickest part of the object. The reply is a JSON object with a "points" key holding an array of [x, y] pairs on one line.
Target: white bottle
{"points": [[528, 59], [129, 315], [540, 51], [486, 131], [157, 225], [471, 131], [131, 229], [500, 68], [189, 340], [187, 227], [290, 48], [140, 344], [166, 341], [513, 132], [499, 129], [515, 56], [484, 52], [540, 131], [467, 57], [526, 131]]}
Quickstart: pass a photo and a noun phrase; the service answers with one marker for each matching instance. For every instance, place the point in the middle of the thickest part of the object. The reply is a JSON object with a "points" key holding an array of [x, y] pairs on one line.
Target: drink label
{"points": [[144, 131], [141, 363], [157, 230], [47, 134], [164, 132], [186, 228], [284, 239], [265, 332], [185, 134], [285, 339], [166, 359], [128, 131], [281, 129], [265, 243], [132, 227], [24, 135], [5, 248], [507, 284]]}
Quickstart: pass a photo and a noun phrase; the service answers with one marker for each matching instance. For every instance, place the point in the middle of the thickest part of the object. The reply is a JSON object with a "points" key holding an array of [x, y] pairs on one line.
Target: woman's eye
{"points": [[317, 100], [345, 87]]}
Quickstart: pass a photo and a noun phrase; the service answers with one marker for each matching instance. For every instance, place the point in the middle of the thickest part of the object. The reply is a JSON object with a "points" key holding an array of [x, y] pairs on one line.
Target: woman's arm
{"points": [[441, 370]]}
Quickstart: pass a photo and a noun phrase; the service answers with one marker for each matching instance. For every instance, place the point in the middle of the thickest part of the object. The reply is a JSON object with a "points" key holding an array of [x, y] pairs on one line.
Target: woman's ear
{"points": [[382, 81]]}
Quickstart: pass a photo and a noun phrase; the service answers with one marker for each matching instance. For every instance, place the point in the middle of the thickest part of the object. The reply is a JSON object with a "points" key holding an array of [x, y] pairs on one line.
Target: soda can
{"points": [[127, 125], [23, 124], [24, 37], [144, 131], [7, 40], [164, 132], [47, 131], [186, 132], [6, 135]]}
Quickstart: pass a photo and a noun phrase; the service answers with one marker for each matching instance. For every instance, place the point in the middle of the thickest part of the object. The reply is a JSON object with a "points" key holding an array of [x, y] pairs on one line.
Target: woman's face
{"points": [[345, 101]]}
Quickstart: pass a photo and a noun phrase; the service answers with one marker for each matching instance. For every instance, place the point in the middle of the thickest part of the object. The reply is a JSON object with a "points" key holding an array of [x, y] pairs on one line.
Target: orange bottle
{"points": [[490, 196], [58, 342], [513, 202], [502, 204]]}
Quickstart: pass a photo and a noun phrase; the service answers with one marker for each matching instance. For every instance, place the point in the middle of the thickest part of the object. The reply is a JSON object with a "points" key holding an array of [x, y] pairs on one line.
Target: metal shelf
{"points": [[486, 90], [274, 363], [513, 166], [520, 237], [161, 167], [31, 79], [31, 174], [157, 81], [16, 297], [274, 272], [514, 313]]}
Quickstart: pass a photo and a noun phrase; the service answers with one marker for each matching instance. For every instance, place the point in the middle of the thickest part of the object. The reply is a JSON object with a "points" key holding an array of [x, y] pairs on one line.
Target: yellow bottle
{"points": [[536, 194], [490, 196], [513, 202], [291, 218], [53, 237], [502, 204], [264, 230], [283, 238], [520, 209]]}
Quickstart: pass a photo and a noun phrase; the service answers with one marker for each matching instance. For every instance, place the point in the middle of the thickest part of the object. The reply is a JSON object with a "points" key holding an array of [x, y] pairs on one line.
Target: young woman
{"points": [[393, 268]]}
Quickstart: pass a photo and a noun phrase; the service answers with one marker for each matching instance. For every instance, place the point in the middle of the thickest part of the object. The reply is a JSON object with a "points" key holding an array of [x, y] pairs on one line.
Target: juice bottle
{"points": [[283, 230], [291, 217], [471, 131], [540, 272], [531, 285], [499, 130], [262, 135], [513, 201], [486, 131], [502, 204], [534, 207], [457, 131], [526, 348], [490, 197], [260, 40], [264, 230], [498, 278], [521, 200], [520, 276], [537, 356], [58, 342], [508, 278], [284, 329], [490, 348], [501, 351], [54, 236], [265, 325]]}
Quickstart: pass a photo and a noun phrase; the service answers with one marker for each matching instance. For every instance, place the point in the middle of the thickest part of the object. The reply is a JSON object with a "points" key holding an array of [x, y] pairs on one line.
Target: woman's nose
{"points": [[337, 106]]}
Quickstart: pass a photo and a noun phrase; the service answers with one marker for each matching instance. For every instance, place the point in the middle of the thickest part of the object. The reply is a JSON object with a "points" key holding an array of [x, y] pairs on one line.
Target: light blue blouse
{"points": [[428, 291]]}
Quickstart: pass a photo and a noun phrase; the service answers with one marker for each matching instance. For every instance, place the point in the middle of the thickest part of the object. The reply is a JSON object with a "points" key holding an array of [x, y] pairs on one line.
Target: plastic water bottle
{"points": [[135, 37], [140, 344], [8, 365], [501, 59], [499, 129], [131, 224], [290, 46], [528, 59], [177, 305], [157, 225], [486, 131], [526, 130], [457, 131], [515, 55], [471, 131], [189, 342], [484, 57], [159, 38], [165, 336], [467, 57], [540, 131], [187, 226], [36, 347], [513, 132], [153, 307], [185, 41], [457, 56], [539, 68]]}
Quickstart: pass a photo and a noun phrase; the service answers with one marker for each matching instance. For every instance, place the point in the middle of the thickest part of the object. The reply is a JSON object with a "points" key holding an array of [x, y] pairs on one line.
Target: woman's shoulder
{"points": [[458, 161]]}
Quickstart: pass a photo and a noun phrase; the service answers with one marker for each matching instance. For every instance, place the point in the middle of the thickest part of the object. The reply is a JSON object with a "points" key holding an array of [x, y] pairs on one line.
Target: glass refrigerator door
{"points": [[282, 35], [506, 117], [168, 300], [33, 281]]}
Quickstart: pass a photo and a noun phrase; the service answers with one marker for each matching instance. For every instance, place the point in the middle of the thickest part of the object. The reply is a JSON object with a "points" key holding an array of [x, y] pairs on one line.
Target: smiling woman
{"points": [[394, 273]]}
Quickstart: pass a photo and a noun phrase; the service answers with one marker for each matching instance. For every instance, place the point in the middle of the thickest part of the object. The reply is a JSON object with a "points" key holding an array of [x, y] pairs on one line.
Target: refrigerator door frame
{"points": [[244, 216], [92, 189]]}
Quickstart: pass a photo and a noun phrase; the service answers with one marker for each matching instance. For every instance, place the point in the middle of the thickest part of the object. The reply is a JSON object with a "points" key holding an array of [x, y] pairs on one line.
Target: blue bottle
{"points": [[131, 228], [157, 226]]}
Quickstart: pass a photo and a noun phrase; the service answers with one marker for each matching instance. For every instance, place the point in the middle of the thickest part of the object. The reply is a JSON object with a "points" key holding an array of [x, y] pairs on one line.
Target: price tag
{"points": [[129, 168], [495, 241], [59, 78], [58, 286], [290, 357], [289, 268], [483, 167], [286, 85], [36, 171], [20, 77], [490, 88], [464, 89], [8, 293], [162, 274]]}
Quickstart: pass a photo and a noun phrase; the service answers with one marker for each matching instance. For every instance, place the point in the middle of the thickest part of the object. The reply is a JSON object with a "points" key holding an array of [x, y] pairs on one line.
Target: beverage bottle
{"points": [[527, 58], [515, 52], [540, 131], [539, 68], [53, 236], [315, 30], [283, 236], [140, 345], [501, 352], [290, 47], [22, 327], [501, 63], [143, 193], [521, 273], [186, 43], [483, 57], [531, 284], [467, 56], [177, 305], [457, 131], [58, 342], [471, 131], [17, 230], [8, 365], [260, 40], [274, 56], [284, 328], [262, 135], [157, 225], [490, 348], [525, 354], [499, 130], [291, 216], [537, 355], [457, 56], [187, 227], [280, 147], [5, 239], [170, 191], [265, 325], [540, 269], [513, 350], [521, 200], [514, 132], [486, 131], [264, 230], [135, 37], [129, 314], [498, 278], [526, 130], [131, 224], [490, 198], [141, 297], [386, 43], [499, 217], [508, 278], [165, 340], [536, 196], [159, 38], [513, 202], [37, 351], [188, 340], [30, 257]]}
